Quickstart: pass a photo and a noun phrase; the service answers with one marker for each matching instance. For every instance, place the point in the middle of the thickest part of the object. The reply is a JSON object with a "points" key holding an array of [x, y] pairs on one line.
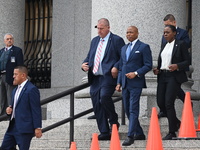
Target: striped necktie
{"points": [[98, 57]]}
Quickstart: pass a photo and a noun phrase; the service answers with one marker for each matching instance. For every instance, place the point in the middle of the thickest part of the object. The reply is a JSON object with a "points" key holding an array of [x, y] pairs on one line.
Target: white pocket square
{"points": [[137, 51]]}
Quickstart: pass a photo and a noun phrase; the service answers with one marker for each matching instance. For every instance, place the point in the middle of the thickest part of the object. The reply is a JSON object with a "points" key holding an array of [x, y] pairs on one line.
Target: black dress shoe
{"points": [[92, 117], [162, 114], [128, 141], [169, 136], [104, 137], [140, 137]]}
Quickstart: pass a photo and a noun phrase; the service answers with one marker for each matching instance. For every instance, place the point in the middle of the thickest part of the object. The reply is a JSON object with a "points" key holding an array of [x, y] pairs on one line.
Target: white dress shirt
{"points": [[166, 55]]}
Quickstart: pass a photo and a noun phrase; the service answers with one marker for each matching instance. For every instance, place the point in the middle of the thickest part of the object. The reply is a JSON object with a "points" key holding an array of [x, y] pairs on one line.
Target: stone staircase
{"points": [[58, 139]]}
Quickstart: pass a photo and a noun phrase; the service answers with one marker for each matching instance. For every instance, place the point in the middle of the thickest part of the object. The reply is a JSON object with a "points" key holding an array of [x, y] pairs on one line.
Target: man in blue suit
{"points": [[10, 57], [182, 35], [102, 64], [24, 111], [135, 62]]}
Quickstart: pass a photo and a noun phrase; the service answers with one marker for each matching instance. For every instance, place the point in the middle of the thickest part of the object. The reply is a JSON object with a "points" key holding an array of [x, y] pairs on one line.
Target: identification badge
{"points": [[12, 59]]}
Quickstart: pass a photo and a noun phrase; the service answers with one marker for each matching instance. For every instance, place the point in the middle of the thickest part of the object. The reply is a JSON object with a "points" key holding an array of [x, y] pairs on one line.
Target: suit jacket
{"points": [[110, 59], [139, 60], [180, 57], [180, 35], [28, 109], [15, 58]]}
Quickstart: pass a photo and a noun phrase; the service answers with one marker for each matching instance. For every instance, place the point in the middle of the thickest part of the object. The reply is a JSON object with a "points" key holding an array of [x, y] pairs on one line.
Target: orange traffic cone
{"points": [[115, 141], [95, 142], [198, 125], [187, 129], [73, 146], [154, 141]]}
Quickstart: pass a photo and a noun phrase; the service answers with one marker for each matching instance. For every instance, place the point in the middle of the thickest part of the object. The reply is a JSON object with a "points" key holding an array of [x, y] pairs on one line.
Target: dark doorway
{"points": [[38, 41]]}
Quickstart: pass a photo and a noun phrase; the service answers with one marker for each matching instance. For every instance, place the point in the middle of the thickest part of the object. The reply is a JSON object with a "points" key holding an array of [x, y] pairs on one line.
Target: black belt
{"points": [[164, 70]]}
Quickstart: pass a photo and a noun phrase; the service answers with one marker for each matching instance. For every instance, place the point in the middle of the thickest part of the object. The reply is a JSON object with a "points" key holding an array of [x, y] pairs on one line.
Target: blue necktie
{"points": [[128, 51]]}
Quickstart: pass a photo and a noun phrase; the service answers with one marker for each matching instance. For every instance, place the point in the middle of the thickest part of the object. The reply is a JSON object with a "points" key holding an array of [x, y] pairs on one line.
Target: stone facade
{"points": [[196, 44], [12, 21], [73, 29]]}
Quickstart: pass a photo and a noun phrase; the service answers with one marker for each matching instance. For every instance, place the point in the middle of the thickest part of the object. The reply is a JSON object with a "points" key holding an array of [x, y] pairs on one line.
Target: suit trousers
{"points": [[131, 100], [13, 138], [5, 94], [181, 96], [166, 94], [103, 105]]}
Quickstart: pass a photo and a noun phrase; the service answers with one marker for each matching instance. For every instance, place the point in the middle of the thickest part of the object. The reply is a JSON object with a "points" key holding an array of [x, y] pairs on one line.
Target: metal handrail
{"points": [[55, 97], [64, 93], [72, 116], [81, 114]]}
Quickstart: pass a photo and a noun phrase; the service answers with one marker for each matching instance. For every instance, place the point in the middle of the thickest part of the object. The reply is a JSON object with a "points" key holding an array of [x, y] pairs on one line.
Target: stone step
{"points": [[58, 139], [84, 128], [140, 145]]}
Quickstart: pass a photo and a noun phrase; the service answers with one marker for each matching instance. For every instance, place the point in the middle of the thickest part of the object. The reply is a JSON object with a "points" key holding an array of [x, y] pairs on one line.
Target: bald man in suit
{"points": [[135, 62]]}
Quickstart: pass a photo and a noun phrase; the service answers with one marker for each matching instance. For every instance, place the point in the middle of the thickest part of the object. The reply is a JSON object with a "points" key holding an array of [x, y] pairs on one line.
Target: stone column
{"points": [[70, 41], [12, 18], [196, 43], [146, 15]]}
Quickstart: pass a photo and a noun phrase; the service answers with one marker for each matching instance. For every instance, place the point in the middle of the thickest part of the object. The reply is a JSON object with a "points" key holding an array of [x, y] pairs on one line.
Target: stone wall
{"points": [[12, 18]]}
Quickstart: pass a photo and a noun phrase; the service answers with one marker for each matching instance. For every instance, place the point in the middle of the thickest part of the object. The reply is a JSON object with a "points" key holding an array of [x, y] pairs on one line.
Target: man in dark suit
{"points": [[10, 57], [24, 112], [102, 64], [135, 62], [172, 61], [181, 34]]}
